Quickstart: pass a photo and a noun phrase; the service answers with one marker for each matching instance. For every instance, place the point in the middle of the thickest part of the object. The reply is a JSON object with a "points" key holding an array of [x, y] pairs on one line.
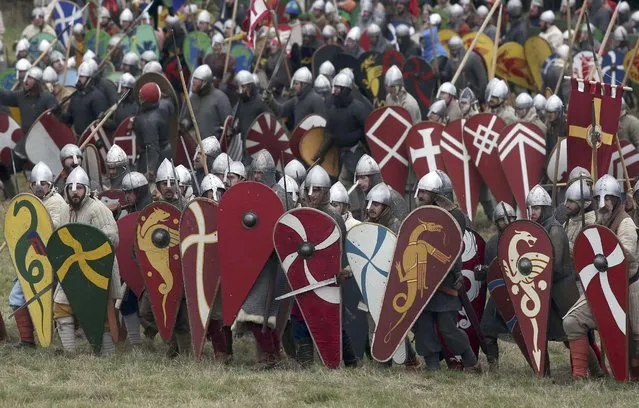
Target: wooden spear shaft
{"points": [[472, 45], [572, 43], [493, 68], [228, 52]]}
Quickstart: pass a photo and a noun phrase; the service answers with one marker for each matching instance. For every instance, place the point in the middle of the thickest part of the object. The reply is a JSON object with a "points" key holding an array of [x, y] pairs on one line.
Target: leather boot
{"points": [[132, 323], [25, 328], [66, 331], [305, 352], [579, 358], [348, 354], [492, 354], [173, 350], [184, 343], [593, 364]]}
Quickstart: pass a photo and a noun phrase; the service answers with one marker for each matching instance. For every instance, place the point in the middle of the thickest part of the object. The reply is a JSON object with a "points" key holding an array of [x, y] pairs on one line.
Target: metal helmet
{"points": [[41, 172], [322, 84], [437, 108], [237, 167], [366, 166], [149, 56], [23, 65], [547, 16], [499, 213], [456, 10], [115, 41], [579, 172], [211, 148], [448, 88], [447, 188], [49, 75], [263, 161], [88, 55], [56, 56], [539, 101], [133, 180], [220, 164], [380, 193], [204, 17], [131, 58], [538, 196], [150, 93], [575, 191], [394, 77], [116, 157], [295, 169], [71, 150], [482, 11], [104, 13], [44, 46], [373, 29], [514, 8], [290, 186], [35, 73], [342, 80], [166, 172], [318, 5], [624, 6], [455, 42], [152, 66], [184, 177], [329, 8], [467, 94], [317, 177], [327, 69], [554, 104], [302, 75], [22, 45], [431, 181], [210, 182], [126, 16], [620, 33], [435, 19], [126, 81], [77, 176], [217, 39], [339, 194], [354, 34], [229, 24], [607, 185], [499, 90], [524, 101], [402, 30], [328, 31], [203, 73], [635, 16], [244, 78], [78, 29]]}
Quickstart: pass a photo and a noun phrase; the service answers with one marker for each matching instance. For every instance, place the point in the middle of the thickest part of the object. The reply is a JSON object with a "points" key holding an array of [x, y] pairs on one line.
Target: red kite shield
{"points": [[562, 165], [420, 82], [392, 57], [200, 266], [45, 138], [10, 133], [592, 105], [603, 270], [267, 132], [631, 159], [246, 216], [309, 122], [309, 245], [481, 137], [522, 152], [386, 131], [499, 295], [158, 249], [125, 138], [185, 150], [525, 255], [125, 253], [428, 245], [461, 170], [423, 149]]}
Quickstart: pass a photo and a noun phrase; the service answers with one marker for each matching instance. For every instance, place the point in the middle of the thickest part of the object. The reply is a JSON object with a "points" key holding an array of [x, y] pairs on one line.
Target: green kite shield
{"points": [[196, 44], [103, 43], [144, 40], [243, 56], [35, 41], [82, 257], [27, 228], [8, 78]]}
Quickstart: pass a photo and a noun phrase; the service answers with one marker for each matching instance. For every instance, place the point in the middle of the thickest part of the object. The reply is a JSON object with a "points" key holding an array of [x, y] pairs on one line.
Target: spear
{"points": [[493, 69], [228, 52], [572, 43], [42, 54], [106, 117], [97, 32]]}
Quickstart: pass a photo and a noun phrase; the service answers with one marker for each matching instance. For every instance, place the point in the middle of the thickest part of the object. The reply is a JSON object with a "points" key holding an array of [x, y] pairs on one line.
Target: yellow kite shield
{"points": [[445, 35], [537, 50], [633, 71], [512, 66], [310, 146], [27, 229], [485, 46]]}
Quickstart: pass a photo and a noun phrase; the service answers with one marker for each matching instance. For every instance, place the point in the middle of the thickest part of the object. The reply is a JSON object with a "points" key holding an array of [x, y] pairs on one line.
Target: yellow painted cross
{"points": [[584, 132]]}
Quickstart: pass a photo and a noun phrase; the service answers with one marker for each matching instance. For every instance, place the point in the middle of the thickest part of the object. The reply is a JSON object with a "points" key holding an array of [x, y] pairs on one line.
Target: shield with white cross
{"points": [[267, 132], [603, 271], [423, 149], [481, 137], [386, 131], [460, 167], [522, 152], [630, 159], [612, 67]]}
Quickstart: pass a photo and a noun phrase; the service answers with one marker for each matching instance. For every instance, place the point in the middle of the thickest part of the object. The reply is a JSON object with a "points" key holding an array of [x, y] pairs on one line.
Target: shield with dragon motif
{"points": [[243, 56], [525, 255], [45, 138], [499, 295], [420, 82], [522, 152], [328, 52], [429, 243], [247, 213], [128, 263], [512, 66], [603, 271], [484, 46], [82, 257], [267, 132], [309, 245], [369, 76], [27, 228], [631, 160], [612, 67], [370, 248], [309, 122], [392, 57], [310, 146], [423, 147], [125, 138], [200, 266], [144, 39], [482, 138], [558, 159], [537, 50], [158, 248], [92, 43], [196, 45], [386, 130], [460, 167], [10, 133]]}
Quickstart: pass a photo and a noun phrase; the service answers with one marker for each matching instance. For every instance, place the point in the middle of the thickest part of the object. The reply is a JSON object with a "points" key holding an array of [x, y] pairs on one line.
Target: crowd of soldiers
{"points": [[213, 84]]}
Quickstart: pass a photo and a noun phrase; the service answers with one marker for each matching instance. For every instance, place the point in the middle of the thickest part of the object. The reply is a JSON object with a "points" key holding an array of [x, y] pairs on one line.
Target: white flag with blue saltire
{"points": [[66, 13]]}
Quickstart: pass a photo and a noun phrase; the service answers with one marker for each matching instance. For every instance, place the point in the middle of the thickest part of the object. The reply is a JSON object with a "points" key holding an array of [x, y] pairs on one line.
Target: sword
{"points": [[188, 160], [279, 62], [311, 287], [33, 299]]}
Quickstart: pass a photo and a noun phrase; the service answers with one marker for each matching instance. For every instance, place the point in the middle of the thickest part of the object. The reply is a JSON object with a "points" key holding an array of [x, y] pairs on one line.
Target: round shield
{"points": [[310, 146], [328, 52]]}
